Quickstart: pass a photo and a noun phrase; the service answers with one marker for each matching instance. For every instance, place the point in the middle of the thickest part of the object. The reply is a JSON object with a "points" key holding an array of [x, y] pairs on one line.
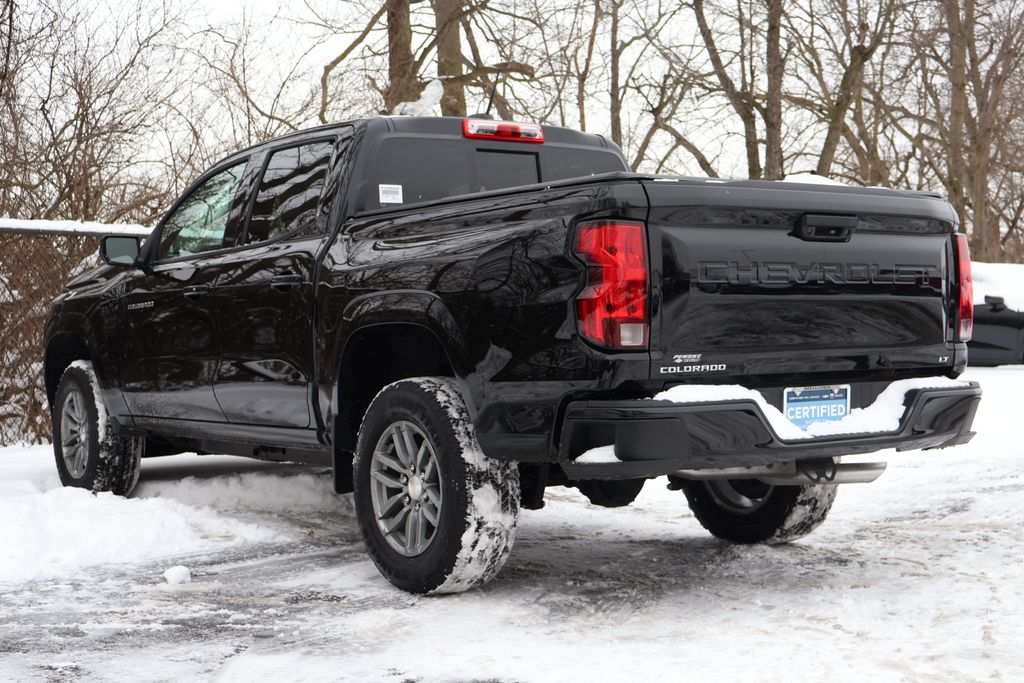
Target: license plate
{"points": [[806, 405]]}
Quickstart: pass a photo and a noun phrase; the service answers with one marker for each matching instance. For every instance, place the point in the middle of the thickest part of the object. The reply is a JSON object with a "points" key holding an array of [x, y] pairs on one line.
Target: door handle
{"points": [[197, 291], [286, 281]]}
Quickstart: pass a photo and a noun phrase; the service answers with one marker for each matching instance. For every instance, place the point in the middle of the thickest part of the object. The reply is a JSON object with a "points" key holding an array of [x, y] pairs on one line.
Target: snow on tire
{"points": [[436, 514], [749, 511], [88, 453]]}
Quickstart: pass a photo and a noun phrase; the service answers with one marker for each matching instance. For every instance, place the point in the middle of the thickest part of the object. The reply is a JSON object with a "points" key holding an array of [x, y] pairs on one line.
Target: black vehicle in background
{"points": [[998, 337], [456, 314]]}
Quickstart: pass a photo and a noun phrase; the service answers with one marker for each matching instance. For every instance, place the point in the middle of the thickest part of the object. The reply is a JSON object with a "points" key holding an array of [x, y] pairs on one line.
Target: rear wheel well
{"points": [[61, 351], [376, 356]]}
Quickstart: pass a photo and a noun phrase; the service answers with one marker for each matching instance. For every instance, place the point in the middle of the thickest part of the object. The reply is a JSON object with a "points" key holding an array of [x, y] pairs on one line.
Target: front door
{"points": [[266, 295], [173, 339]]}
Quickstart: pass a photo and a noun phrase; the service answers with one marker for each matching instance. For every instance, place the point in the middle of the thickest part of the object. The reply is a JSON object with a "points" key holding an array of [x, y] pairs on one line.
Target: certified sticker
{"points": [[390, 194], [806, 405]]}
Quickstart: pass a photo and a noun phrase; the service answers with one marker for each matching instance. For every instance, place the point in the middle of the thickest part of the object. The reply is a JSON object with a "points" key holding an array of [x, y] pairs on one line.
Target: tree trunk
{"points": [[403, 85], [615, 88], [449, 55], [581, 78], [773, 98], [985, 232], [849, 87], [956, 173]]}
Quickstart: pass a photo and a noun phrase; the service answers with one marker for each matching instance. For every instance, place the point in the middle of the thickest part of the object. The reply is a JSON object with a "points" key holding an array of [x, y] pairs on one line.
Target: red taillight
{"points": [[502, 130], [965, 310], [612, 308]]}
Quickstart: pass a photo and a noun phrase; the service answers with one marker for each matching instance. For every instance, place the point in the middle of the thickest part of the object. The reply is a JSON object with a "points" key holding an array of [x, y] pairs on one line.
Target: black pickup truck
{"points": [[456, 314]]}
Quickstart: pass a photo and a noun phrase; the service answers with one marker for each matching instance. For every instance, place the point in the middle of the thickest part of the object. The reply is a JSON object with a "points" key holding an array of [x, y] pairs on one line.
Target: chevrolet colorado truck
{"points": [[456, 314]]}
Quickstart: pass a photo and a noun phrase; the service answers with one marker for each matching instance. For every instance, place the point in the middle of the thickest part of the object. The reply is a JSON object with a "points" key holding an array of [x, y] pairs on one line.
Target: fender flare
{"points": [[411, 307]]}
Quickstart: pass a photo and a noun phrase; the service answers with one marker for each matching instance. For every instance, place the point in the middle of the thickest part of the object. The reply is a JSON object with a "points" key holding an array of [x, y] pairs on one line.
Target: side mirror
{"points": [[119, 250], [996, 302]]}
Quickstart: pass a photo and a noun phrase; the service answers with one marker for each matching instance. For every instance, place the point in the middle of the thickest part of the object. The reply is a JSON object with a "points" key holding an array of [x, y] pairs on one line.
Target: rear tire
{"points": [[436, 514], [749, 511], [88, 453]]}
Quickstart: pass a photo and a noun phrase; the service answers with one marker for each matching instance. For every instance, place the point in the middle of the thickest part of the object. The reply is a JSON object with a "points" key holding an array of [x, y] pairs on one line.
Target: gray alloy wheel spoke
{"points": [[434, 496], [405, 490], [418, 462], [390, 504], [72, 415], [412, 532], [80, 459], [400, 450], [397, 521], [389, 462], [387, 480], [430, 511], [410, 446]]}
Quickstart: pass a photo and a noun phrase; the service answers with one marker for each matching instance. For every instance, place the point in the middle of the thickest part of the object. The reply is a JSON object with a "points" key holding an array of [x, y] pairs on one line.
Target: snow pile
{"points": [[598, 456], [52, 531], [999, 279], [426, 104], [178, 574], [263, 491]]}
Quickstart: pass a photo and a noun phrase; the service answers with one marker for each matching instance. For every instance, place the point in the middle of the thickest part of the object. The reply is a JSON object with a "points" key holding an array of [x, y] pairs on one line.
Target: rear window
{"points": [[579, 163], [498, 169], [415, 170], [289, 190]]}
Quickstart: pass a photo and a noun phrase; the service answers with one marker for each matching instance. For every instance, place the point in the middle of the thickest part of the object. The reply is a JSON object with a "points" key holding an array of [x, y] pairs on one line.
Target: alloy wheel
{"points": [[405, 488], [74, 434]]}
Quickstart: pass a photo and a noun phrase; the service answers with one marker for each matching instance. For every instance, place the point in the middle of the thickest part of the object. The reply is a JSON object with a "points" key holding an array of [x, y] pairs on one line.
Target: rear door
{"points": [[266, 292], [763, 282]]}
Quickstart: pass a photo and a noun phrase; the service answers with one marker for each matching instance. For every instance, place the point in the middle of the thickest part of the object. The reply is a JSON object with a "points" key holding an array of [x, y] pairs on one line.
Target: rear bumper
{"points": [[653, 438]]}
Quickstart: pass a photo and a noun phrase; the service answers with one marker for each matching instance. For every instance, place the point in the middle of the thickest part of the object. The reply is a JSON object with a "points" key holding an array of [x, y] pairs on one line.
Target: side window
{"points": [[290, 191], [200, 222]]}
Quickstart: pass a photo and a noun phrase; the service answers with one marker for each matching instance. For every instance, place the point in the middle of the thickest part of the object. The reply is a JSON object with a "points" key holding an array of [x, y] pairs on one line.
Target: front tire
{"points": [[436, 514], [88, 453], [750, 511]]}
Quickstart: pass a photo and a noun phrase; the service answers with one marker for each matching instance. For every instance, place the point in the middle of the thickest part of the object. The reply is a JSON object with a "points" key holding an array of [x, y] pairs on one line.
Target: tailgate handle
{"points": [[818, 227]]}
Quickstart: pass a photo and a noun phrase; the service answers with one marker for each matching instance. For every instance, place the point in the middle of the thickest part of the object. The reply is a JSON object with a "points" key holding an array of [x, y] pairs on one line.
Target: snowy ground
{"points": [[919, 576]]}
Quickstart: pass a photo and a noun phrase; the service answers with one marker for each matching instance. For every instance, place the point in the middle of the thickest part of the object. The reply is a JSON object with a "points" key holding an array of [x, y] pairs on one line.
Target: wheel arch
{"points": [[374, 356], [62, 349]]}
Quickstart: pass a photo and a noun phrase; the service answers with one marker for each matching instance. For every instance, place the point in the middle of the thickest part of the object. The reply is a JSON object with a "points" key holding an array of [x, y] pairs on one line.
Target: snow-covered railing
{"points": [[40, 227]]}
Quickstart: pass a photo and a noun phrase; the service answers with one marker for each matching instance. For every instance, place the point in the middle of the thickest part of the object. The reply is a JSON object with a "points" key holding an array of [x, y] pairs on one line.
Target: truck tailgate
{"points": [[752, 281]]}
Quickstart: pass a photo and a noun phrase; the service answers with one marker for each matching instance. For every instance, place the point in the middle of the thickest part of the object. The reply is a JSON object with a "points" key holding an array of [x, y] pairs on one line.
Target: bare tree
{"points": [[750, 102], [836, 37], [84, 102]]}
